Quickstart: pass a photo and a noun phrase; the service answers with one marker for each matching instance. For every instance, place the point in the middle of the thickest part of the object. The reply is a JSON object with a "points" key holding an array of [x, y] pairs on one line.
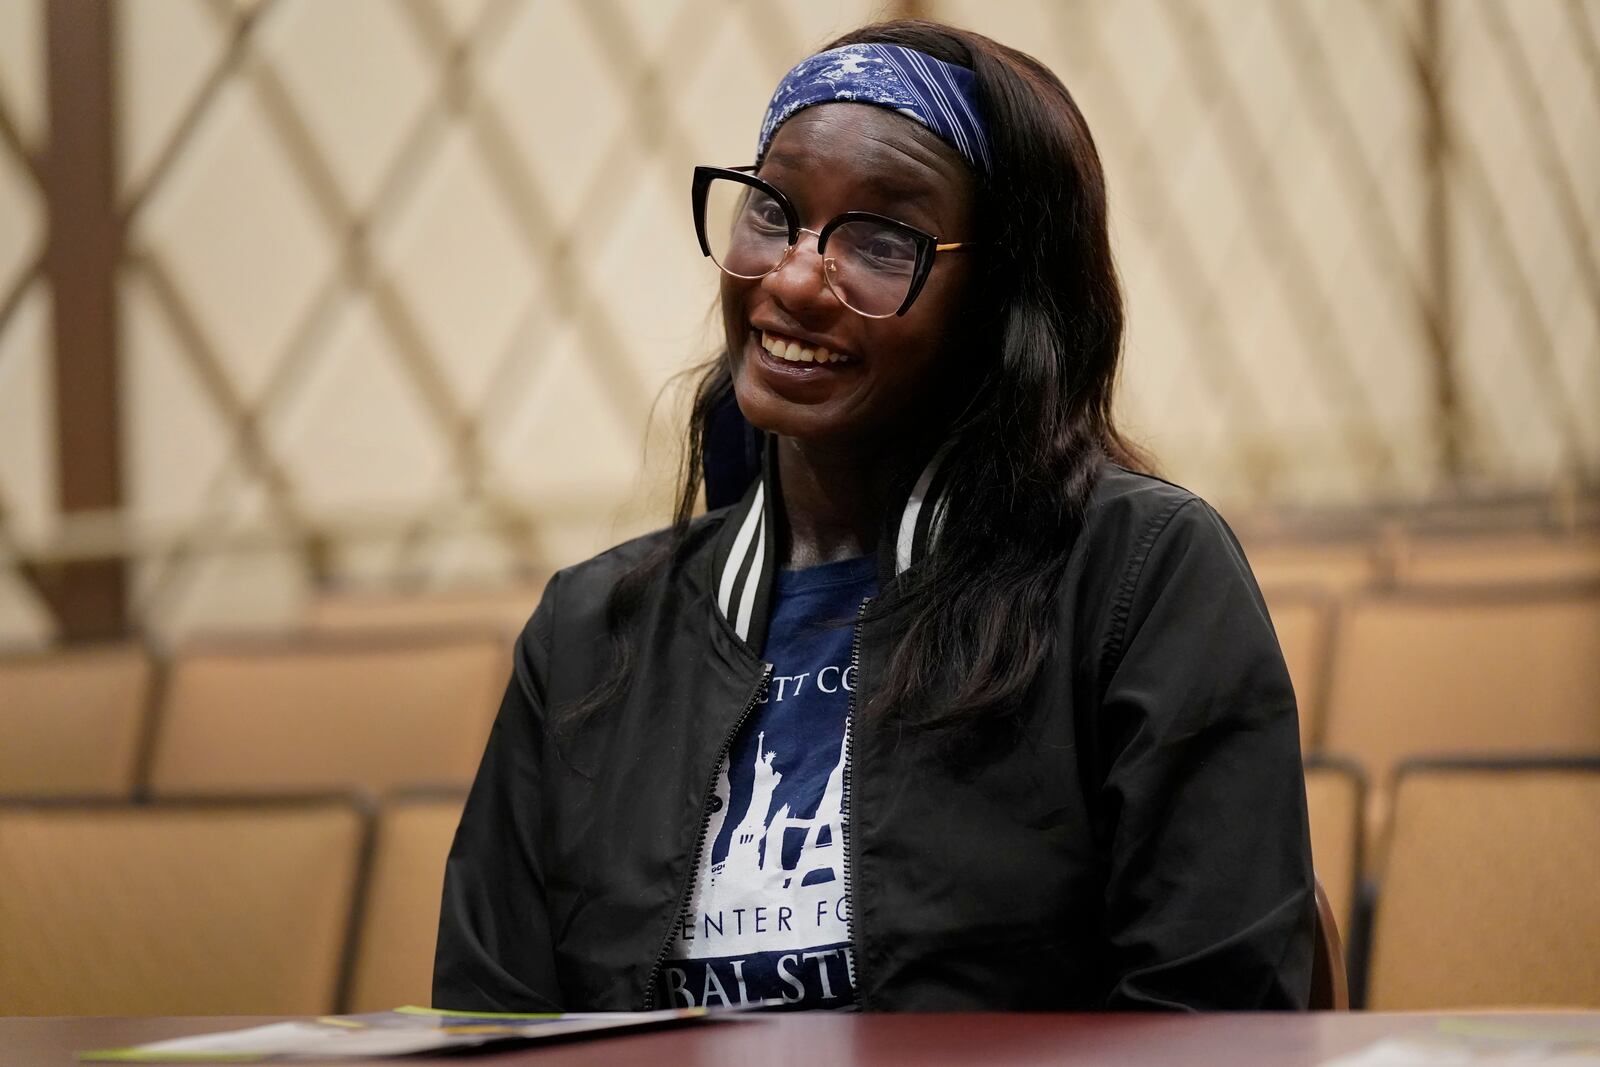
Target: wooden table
{"points": [[824, 1040]]}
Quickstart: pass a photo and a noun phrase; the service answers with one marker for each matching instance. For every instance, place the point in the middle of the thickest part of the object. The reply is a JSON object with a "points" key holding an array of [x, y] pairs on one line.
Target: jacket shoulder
{"points": [[1120, 492], [1158, 509], [1127, 511], [1137, 529], [589, 584]]}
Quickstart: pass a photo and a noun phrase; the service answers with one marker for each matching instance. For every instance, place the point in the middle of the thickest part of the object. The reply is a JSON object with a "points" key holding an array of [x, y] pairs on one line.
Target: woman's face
{"points": [[829, 159]]}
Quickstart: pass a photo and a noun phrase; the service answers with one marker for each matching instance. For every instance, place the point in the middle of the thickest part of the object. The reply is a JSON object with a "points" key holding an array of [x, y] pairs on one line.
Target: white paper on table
{"points": [[1461, 1051], [297, 1039], [380, 1034]]}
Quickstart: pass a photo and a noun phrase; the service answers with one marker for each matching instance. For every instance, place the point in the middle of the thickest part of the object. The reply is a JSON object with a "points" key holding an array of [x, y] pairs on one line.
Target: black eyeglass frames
{"points": [[875, 265]]}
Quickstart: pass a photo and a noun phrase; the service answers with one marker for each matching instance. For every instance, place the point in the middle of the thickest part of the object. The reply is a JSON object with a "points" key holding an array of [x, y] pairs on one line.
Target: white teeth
{"points": [[794, 352]]}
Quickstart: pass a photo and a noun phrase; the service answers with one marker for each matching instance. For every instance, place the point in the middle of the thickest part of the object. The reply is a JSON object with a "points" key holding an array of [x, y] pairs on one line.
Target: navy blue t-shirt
{"points": [[769, 921]]}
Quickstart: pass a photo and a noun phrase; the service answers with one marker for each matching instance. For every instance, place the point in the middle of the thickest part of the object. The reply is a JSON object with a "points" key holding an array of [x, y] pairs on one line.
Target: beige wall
{"points": [[436, 258]]}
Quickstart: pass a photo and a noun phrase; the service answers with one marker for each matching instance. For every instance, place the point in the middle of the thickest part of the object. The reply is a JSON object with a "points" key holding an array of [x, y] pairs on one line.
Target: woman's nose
{"points": [[800, 282]]}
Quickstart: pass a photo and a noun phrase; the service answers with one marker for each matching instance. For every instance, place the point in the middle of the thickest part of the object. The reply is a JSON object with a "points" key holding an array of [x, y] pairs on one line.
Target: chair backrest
{"points": [[1489, 893], [504, 609], [1462, 673], [1334, 793], [1330, 988], [1302, 619], [175, 909], [400, 922], [1503, 560], [72, 721], [327, 714], [1334, 567]]}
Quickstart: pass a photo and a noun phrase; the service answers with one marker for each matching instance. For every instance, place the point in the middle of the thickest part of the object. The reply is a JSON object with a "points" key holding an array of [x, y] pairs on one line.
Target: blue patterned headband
{"points": [[941, 96]]}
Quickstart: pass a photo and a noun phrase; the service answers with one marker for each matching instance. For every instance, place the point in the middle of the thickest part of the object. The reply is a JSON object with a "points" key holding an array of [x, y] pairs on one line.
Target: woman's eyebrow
{"points": [[901, 190], [780, 158]]}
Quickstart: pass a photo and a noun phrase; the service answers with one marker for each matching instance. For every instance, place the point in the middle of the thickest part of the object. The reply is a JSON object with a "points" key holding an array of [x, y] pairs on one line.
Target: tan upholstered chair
{"points": [[394, 956], [1303, 621], [171, 909], [1462, 673], [1489, 890], [1334, 792], [327, 714], [72, 722], [1507, 560]]}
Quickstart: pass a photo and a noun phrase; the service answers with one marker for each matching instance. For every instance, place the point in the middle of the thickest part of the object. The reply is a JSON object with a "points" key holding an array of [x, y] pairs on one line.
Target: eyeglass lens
{"points": [[868, 265]]}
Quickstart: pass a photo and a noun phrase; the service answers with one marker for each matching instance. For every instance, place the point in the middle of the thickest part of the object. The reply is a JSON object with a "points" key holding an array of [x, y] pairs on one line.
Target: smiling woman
{"points": [[956, 707]]}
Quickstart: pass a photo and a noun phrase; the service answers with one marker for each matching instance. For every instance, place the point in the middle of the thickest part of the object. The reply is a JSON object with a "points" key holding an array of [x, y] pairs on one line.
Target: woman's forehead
{"points": [[871, 144]]}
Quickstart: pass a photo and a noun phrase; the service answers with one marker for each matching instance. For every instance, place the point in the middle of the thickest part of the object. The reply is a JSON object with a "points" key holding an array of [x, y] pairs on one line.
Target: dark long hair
{"points": [[978, 613]]}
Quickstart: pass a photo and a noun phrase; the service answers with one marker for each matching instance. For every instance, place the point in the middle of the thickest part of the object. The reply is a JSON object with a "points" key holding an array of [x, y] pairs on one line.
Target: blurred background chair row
{"points": [[1402, 648], [221, 906], [308, 713], [311, 905], [385, 693], [379, 692]]}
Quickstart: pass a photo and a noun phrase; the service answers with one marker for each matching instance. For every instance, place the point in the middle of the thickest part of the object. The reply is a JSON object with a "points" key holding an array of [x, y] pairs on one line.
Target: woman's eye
{"points": [[886, 250], [765, 214]]}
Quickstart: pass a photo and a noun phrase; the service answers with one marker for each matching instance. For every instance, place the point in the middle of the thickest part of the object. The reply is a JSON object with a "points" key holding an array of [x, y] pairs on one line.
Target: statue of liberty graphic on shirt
{"points": [[754, 854]]}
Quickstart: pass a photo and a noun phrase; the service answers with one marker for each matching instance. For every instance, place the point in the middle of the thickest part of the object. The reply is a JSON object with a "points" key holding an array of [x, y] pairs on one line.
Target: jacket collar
{"points": [[745, 559]]}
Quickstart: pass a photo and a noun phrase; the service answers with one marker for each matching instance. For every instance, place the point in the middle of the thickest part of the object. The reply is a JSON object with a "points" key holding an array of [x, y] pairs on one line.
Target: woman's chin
{"points": [[776, 412]]}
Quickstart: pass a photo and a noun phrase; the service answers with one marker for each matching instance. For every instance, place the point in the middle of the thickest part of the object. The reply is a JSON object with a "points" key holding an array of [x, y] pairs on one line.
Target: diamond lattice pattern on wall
{"points": [[405, 279], [1270, 196]]}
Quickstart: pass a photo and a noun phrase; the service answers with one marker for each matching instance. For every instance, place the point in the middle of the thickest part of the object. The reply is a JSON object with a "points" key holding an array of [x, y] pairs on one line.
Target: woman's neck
{"points": [[833, 500]]}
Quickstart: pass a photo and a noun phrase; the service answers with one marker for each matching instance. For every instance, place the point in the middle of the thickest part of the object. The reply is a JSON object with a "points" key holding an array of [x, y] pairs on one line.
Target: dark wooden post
{"points": [[84, 246]]}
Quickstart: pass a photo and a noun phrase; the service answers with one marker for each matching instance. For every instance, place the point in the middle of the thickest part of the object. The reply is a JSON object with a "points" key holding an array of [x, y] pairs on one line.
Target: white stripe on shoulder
{"points": [[741, 547], [753, 579], [936, 527], [908, 518]]}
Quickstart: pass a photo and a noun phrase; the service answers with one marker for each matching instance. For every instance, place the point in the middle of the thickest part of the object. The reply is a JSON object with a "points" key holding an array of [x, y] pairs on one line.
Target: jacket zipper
{"points": [[845, 802], [700, 842]]}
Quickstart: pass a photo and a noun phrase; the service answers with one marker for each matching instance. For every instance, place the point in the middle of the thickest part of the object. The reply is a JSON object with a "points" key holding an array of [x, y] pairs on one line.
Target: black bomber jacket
{"points": [[1134, 837]]}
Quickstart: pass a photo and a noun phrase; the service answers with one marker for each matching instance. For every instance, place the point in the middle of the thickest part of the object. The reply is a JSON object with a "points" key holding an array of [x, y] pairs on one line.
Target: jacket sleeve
{"points": [[1209, 899], [495, 951]]}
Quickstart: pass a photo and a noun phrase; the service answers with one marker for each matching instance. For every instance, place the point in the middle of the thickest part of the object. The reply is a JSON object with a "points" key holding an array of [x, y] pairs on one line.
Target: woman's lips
{"points": [[780, 369]]}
